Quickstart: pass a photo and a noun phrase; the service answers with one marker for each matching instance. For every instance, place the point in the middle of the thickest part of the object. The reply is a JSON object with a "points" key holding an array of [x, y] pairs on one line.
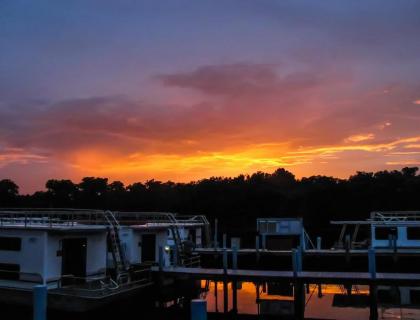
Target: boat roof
{"points": [[386, 218], [162, 226]]}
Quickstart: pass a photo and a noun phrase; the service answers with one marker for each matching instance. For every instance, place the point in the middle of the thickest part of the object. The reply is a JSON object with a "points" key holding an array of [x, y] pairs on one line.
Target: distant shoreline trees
{"points": [[236, 201]]}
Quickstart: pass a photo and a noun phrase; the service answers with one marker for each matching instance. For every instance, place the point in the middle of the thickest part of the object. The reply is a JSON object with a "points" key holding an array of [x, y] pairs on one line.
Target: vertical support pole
{"points": [[347, 245], [215, 296], [300, 259], [257, 292], [215, 233], [224, 241], [234, 281], [318, 243], [40, 302], [161, 262], [175, 255], [299, 300], [264, 241], [294, 263], [319, 290], [225, 296], [373, 297], [198, 309], [234, 258], [225, 261], [372, 263], [394, 248], [225, 282], [257, 248], [297, 261]]}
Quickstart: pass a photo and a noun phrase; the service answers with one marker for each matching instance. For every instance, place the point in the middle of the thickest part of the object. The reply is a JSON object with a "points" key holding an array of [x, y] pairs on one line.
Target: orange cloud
{"points": [[360, 137]]}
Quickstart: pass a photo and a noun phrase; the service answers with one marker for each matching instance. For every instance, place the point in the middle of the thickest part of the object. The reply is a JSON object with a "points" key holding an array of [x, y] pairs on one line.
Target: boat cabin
{"points": [[282, 233], [143, 233], [44, 247]]}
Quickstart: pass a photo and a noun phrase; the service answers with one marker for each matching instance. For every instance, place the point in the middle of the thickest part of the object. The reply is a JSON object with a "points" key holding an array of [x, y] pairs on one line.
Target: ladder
{"points": [[177, 239], [116, 247]]}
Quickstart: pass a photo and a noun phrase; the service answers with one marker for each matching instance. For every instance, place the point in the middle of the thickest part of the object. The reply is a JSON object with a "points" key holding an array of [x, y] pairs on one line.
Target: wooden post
{"points": [[263, 242], [224, 241]]}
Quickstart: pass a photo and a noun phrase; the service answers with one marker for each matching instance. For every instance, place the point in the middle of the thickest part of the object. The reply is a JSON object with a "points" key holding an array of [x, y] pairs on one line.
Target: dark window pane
{"points": [[10, 244], [383, 233], [413, 233]]}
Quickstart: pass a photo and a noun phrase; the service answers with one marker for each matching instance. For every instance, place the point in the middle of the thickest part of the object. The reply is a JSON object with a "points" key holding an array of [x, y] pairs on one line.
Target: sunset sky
{"points": [[183, 90]]}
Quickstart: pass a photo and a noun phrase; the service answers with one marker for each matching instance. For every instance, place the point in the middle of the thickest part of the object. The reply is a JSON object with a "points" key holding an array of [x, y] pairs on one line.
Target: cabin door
{"points": [[74, 257], [148, 248]]}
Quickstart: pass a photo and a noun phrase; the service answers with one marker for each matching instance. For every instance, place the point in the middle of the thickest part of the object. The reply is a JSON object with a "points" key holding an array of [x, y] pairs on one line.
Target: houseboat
{"points": [[86, 258], [383, 230]]}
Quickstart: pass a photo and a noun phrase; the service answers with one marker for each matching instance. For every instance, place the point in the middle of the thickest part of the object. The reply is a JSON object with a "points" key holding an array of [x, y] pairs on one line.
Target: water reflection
{"points": [[322, 302]]}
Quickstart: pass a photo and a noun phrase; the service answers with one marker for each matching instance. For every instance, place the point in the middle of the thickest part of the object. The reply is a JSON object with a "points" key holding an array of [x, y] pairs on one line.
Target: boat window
{"points": [[384, 233], [413, 233], [10, 243]]}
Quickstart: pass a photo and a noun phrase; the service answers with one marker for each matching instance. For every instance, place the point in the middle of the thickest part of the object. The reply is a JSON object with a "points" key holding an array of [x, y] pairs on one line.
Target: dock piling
{"points": [[40, 302], [215, 233], [234, 282], [257, 248], [234, 258], [225, 261], [198, 309], [318, 243], [372, 263]]}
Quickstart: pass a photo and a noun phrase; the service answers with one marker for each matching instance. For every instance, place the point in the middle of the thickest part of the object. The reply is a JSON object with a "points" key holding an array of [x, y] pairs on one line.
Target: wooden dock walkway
{"points": [[311, 252], [304, 276]]}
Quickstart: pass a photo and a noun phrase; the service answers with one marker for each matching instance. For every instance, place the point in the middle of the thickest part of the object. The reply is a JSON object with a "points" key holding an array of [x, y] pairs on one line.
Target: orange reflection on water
{"points": [[316, 307]]}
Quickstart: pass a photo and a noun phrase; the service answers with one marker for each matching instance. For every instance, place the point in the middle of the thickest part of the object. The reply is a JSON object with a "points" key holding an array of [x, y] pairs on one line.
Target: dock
{"points": [[311, 252], [304, 276]]}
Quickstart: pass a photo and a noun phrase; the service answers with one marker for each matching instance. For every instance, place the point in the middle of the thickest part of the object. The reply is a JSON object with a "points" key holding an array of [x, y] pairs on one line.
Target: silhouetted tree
{"points": [[8, 192], [238, 201]]}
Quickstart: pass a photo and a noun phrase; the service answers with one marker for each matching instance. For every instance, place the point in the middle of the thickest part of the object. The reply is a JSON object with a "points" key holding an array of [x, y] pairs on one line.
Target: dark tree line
{"points": [[238, 201]]}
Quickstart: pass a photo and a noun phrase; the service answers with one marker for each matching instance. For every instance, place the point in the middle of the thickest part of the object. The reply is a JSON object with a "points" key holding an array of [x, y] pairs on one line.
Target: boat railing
{"points": [[50, 217], [395, 216], [191, 261]]}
